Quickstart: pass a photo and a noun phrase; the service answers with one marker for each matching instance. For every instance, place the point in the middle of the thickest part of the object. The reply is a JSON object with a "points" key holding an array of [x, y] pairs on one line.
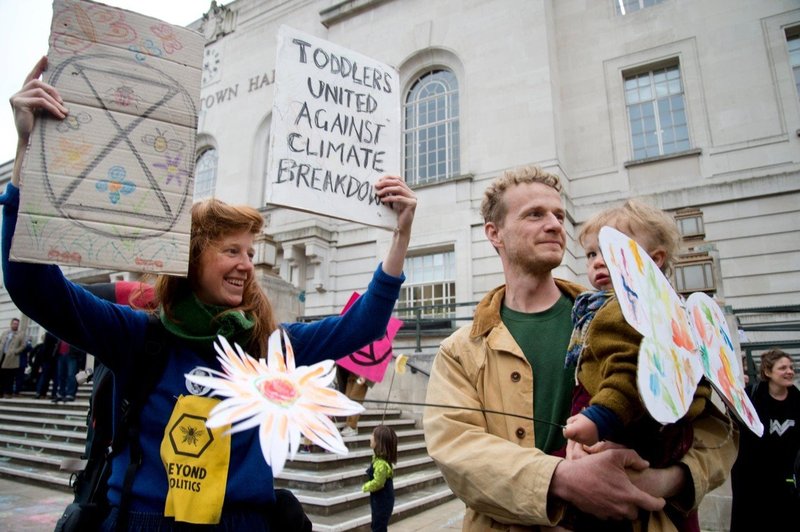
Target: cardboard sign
{"points": [[111, 185], [371, 360], [335, 130]]}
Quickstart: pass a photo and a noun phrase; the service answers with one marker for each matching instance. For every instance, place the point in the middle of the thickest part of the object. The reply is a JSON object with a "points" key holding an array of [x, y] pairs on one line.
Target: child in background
{"points": [[380, 487], [605, 348]]}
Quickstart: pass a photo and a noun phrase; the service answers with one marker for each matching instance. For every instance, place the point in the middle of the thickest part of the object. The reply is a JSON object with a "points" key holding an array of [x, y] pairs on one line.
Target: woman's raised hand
{"points": [[394, 192], [35, 95]]}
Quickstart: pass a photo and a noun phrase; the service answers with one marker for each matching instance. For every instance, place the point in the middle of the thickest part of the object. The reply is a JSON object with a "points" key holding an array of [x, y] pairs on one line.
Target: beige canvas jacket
{"points": [[489, 460], [17, 345]]}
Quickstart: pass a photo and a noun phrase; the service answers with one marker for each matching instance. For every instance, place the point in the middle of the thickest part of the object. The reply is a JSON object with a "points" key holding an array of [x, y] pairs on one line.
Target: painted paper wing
{"points": [[669, 367], [720, 364]]}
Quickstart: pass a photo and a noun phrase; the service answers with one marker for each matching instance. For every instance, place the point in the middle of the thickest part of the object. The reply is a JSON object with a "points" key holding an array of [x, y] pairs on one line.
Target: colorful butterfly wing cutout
{"points": [[720, 363], [681, 342], [278, 398], [669, 368]]}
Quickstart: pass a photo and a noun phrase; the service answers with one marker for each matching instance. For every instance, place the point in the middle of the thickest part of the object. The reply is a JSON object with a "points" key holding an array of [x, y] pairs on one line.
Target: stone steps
{"points": [[405, 505], [38, 437]]}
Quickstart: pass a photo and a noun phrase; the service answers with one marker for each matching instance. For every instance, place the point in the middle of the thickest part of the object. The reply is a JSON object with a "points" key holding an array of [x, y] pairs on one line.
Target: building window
{"points": [[656, 112], [431, 129], [430, 280], [624, 7], [694, 277], [205, 174], [793, 41], [690, 224]]}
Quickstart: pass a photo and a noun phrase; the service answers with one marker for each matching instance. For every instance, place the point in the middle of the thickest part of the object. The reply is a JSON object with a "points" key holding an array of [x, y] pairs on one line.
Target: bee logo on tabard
{"points": [[188, 436], [191, 435]]}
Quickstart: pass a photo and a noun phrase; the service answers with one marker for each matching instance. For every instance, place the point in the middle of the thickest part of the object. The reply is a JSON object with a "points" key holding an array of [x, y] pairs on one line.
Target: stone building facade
{"points": [[692, 106]]}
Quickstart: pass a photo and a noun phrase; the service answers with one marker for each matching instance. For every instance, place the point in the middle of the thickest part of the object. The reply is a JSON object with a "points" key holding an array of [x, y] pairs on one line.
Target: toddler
{"points": [[605, 348], [380, 487]]}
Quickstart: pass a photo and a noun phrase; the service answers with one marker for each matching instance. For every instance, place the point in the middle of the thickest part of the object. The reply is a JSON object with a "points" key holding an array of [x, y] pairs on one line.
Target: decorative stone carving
{"points": [[219, 21]]}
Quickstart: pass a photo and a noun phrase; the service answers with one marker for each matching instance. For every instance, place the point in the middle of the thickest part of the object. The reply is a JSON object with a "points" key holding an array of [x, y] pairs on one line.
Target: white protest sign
{"points": [[111, 185], [335, 130]]}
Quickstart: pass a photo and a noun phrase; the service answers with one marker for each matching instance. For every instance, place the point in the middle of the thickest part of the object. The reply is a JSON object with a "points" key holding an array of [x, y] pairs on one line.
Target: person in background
{"points": [[45, 359], [68, 360], [764, 479], [355, 388], [380, 486], [19, 377], [12, 343]]}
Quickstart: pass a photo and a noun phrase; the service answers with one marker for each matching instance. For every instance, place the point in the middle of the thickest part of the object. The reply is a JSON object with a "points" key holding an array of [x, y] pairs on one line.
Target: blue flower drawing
{"points": [[116, 185]]}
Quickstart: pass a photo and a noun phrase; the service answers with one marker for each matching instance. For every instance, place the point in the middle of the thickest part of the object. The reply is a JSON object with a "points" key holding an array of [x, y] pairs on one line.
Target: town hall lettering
{"points": [[220, 96]]}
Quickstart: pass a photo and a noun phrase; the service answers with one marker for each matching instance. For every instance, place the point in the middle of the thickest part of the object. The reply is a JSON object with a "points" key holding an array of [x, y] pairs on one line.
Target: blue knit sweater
{"points": [[115, 334]]}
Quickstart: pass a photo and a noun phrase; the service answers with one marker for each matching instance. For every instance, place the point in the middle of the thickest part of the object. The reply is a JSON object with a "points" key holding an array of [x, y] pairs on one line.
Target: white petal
{"points": [[323, 373], [289, 351], [222, 346], [274, 445], [294, 440], [322, 431], [275, 359], [242, 415], [329, 402]]}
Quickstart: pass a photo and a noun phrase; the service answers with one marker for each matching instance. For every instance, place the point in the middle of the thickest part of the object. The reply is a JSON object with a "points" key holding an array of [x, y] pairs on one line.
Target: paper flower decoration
{"points": [[281, 400], [400, 364]]}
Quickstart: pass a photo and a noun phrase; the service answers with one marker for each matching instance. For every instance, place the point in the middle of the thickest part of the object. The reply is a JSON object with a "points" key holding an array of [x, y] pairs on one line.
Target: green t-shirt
{"points": [[543, 338]]}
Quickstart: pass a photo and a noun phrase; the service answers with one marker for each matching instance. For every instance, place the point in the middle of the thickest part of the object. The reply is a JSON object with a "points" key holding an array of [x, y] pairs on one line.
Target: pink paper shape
{"points": [[371, 360]]}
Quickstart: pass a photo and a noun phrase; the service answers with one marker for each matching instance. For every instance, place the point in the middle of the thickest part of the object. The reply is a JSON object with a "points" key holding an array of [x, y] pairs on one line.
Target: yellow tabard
{"points": [[196, 460]]}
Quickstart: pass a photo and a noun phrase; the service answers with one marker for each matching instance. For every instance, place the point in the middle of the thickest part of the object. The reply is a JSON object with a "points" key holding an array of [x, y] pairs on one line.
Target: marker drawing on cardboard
{"points": [[682, 342], [335, 130], [111, 185]]}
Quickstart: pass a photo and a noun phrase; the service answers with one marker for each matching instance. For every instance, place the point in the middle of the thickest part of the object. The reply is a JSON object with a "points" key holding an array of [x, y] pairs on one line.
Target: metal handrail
{"points": [[420, 317]]}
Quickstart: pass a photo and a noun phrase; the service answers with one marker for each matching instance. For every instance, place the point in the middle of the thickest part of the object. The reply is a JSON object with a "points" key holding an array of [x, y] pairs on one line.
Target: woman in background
{"points": [[763, 477]]}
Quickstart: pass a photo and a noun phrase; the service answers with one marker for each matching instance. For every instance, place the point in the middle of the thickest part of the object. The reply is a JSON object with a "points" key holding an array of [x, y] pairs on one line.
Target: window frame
{"points": [[621, 8], [197, 173], [702, 260], [637, 107], [690, 214], [446, 279], [793, 40], [446, 102]]}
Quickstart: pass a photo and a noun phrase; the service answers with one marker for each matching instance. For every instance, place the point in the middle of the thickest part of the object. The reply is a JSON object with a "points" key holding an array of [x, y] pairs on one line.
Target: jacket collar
{"points": [[487, 313]]}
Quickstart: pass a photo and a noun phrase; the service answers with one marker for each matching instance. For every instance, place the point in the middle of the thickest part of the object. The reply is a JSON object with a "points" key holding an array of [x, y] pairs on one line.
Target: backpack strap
{"points": [[148, 370]]}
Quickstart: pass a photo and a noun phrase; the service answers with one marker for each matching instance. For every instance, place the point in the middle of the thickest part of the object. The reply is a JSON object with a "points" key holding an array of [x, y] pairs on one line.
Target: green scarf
{"points": [[200, 324]]}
